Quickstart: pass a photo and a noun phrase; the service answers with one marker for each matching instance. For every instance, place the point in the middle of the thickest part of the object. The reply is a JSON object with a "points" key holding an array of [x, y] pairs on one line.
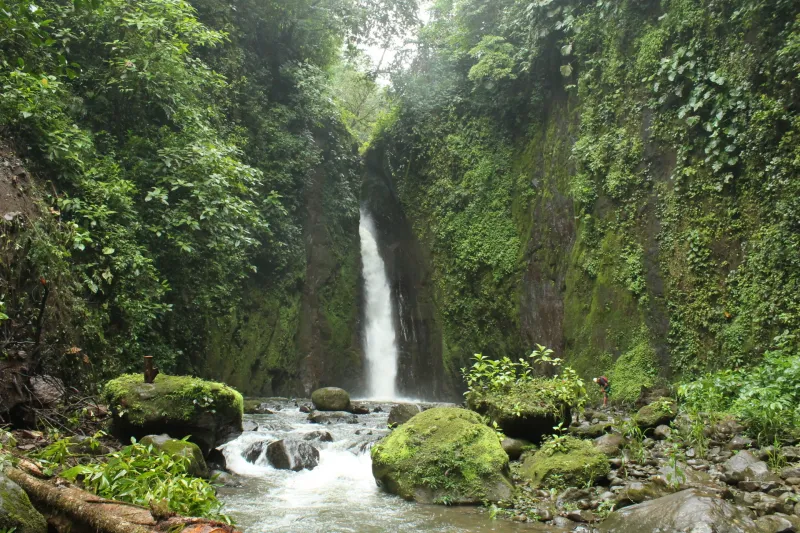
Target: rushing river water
{"points": [[339, 495]]}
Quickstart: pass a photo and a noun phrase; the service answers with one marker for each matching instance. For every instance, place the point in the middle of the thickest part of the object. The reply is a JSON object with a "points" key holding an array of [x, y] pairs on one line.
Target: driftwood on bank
{"points": [[86, 510]]}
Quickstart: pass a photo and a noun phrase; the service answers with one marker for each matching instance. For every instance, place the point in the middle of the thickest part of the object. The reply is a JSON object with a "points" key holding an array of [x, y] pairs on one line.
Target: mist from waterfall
{"points": [[380, 344]]}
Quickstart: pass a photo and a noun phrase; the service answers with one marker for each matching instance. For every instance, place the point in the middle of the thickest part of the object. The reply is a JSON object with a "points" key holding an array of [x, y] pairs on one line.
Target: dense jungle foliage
{"points": [[616, 179], [174, 143]]}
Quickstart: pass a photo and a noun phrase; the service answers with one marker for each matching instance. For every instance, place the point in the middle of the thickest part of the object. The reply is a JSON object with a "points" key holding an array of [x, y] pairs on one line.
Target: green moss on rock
{"points": [[662, 411], [331, 399], [182, 406], [16, 512], [633, 371], [525, 411], [576, 463], [443, 455], [180, 448]]}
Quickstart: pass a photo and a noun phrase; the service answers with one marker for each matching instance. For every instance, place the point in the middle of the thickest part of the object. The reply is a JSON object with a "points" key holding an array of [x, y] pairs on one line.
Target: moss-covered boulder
{"points": [[331, 399], [524, 411], [661, 411], [16, 512], [443, 455], [209, 413], [180, 448], [572, 462]]}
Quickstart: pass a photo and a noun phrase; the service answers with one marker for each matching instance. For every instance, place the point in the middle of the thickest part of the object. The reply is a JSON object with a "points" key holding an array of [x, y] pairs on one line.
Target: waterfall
{"points": [[380, 343]]}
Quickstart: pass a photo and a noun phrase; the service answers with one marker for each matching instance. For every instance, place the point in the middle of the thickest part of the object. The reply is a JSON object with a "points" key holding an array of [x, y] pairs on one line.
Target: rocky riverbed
{"points": [[688, 475]]}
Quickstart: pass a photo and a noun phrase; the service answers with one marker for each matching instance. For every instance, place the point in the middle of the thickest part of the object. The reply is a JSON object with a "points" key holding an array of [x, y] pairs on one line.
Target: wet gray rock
{"points": [[402, 413], [690, 510], [288, 454], [321, 436], [734, 468], [16, 512], [791, 453], [610, 443], [514, 447], [359, 409], [790, 472], [662, 432], [254, 451], [332, 417], [249, 425], [775, 524], [740, 442], [638, 492]]}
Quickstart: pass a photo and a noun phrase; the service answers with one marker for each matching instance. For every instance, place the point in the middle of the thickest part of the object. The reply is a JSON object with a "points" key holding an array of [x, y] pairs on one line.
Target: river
{"points": [[340, 494]]}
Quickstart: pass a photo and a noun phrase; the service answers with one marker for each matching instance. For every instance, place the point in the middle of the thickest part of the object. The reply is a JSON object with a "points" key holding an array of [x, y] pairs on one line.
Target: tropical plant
{"points": [[140, 474]]}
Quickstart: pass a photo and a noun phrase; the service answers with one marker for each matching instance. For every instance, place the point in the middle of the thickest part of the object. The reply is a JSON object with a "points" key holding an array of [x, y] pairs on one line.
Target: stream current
{"points": [[340, 494]]}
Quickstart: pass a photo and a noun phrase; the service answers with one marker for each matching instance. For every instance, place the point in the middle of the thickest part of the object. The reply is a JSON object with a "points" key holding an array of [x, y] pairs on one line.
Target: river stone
{"points": [[775, 524], [179, 448], [290, 454], [322, 436], [659, 412], [402, 413], [331, 399], [638, 492], [662, 432], [443, 455], [47, 390], [524, 411], [736, 467], [689, 511], [740, 442], [209, 413], [16, 512], [332, 417], [577, 463], [591, 431], [253, 452], [609, 444], [514, 447]]}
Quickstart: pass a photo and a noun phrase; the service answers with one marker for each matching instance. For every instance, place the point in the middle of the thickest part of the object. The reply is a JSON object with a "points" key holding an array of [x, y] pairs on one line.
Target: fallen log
{"points": [[86, 510]]}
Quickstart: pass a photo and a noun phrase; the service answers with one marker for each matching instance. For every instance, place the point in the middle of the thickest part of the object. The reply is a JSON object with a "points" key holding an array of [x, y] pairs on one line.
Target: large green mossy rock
{"points": [[526, 411], [196, 465], [209, 413], [573, 463], [16, 512], [661, 411], [443, 455], [331, 399]]}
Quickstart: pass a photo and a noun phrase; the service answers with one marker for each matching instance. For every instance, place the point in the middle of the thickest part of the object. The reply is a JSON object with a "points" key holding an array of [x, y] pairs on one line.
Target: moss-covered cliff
{"points": [[617, 180]]}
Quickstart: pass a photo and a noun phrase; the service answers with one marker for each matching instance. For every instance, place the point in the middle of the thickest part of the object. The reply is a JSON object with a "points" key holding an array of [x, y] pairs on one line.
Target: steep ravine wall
{"points": [[629, 198], [420, 370]]}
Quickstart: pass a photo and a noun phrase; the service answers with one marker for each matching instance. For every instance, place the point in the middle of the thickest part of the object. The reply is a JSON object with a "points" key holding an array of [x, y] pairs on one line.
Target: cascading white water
{"points": [[380, 339]]}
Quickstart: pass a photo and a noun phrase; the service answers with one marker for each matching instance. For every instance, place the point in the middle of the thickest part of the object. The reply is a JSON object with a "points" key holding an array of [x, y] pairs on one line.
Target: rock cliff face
{"points": [[300, 329]]}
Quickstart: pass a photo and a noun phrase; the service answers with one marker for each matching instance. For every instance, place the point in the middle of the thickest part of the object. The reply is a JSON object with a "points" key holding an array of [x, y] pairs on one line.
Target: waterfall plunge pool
{"points": [[340, 494]]}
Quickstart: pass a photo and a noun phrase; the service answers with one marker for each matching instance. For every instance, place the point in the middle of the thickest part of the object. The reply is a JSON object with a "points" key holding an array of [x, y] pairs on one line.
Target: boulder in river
{"points": [[689, 510], [254, 451], [195, 466], [525, 411], [572, 461], [209, 412], [16, 512], [321, 436], [289, 454], [443, 455], [331, 399], [332, 417], [402, 413]]}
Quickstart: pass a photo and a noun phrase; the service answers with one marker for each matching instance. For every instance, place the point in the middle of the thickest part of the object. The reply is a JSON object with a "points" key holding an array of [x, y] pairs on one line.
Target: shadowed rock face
{"points": [[421, 372]]}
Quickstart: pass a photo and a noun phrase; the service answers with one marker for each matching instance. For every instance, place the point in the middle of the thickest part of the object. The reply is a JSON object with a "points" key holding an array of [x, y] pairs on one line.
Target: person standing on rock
{"points": [[604, 386]]}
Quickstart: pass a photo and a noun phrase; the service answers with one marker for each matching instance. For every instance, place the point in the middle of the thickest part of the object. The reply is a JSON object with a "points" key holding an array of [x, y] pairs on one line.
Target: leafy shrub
{"points": [[140, 474], [766, 397], [501, 375]]}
